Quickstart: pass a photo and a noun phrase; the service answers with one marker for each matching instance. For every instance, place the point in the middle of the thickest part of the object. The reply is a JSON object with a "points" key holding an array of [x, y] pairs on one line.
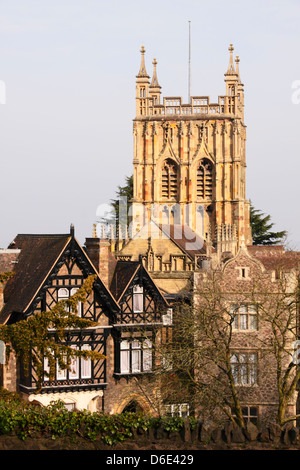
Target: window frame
{"points": [[138, 296], [135, 356], [245, 317], [70, 290], [248, 416], [167, 317], [245, 372], [176, 409], [73, 374]]}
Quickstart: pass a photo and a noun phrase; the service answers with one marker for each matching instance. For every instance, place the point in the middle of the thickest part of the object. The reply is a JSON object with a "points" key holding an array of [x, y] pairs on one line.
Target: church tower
{"points": [[189, 163]]}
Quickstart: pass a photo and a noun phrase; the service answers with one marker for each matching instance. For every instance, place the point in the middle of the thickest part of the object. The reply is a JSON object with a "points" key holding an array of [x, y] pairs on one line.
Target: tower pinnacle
{"points": [[155, 88], [231, 65], [237, 61], [143, 72], [154, 82]]}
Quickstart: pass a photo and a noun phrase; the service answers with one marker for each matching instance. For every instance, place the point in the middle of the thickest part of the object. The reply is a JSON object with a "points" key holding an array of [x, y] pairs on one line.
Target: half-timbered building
{"points": [[127, 317], [142, 323]]}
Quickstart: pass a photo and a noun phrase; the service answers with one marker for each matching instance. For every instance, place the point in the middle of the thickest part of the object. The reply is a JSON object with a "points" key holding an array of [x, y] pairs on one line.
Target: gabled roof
{"points": [[186, 239], [275, 257], [37, 259], [124, 274]]}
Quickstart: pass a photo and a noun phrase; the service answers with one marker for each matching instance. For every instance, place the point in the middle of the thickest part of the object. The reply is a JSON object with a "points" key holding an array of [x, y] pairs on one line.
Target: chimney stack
{"points": [[98, 250]]}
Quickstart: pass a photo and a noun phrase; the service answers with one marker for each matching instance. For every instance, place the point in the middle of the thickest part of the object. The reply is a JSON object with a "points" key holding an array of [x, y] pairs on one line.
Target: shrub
{"points": [[25, 420]]}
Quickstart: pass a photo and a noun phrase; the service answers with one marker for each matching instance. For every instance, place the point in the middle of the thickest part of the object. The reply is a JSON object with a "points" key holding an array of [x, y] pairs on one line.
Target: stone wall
{"points": [[229, 437]]}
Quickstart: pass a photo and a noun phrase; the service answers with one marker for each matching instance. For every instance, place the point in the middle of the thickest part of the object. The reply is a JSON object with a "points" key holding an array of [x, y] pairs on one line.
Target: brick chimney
{"points": [[98, 250]]}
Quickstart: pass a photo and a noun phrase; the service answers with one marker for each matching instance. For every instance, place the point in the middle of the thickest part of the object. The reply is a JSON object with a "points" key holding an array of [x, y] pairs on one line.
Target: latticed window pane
{"points": [[250, 414], [252, 322], [244, 368], [64, 294], [46, 368], [79, 304], [168, 317], [245, 316], [243, 322], [70, 406]]}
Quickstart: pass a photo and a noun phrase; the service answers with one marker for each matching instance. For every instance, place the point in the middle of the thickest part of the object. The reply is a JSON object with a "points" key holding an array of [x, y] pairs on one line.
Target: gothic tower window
{"points": [[205, 180], [169, 180]]}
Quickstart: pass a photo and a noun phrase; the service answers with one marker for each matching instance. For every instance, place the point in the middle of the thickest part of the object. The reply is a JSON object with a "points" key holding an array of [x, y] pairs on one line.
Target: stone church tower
{"points": [[189, 163]]}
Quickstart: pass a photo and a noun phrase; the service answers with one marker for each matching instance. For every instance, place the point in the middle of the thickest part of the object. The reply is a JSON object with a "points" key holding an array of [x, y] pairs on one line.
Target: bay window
{"points": [[135, 356]]}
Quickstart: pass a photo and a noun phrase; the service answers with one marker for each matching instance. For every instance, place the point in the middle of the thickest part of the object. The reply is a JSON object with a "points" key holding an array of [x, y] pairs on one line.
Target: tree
{"points": [[5, 276], [261, 226], [208, 362], [125, 191], [199, 360], [30, 339]]}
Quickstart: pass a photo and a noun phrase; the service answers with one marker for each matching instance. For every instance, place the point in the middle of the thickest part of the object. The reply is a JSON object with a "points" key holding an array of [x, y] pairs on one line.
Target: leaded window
{"points": [[244, 368], [244, 316]]}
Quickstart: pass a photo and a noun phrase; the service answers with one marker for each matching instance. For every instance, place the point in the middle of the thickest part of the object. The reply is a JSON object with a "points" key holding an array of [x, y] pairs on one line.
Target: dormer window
{"points": [[138, 299], [65, 293]]}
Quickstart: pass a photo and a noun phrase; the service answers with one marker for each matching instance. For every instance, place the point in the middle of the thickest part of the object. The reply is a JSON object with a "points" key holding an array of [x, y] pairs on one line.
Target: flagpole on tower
{"points": [[189, 86]]}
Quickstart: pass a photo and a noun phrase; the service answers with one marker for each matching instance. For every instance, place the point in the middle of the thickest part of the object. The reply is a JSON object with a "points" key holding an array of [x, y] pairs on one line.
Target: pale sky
{"points": [[69, 71]]}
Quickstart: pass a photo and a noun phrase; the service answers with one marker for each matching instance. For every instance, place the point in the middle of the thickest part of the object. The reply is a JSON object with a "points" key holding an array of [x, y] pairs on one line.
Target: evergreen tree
{"points": [[122, 191], [114, 217], [261, 226]]}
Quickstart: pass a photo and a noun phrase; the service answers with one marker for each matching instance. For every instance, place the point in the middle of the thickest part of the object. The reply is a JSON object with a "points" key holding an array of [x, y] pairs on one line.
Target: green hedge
{"points": [[24, 420]]}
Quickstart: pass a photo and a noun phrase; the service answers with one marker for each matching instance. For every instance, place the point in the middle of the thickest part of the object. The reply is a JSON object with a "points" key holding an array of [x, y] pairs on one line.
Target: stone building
{"points": [[257, 294], [189, 179], [189, 216]]}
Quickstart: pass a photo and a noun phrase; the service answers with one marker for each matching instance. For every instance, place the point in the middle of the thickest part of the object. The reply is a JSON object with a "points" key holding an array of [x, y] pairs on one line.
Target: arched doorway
{"points": [[133, 407], [133, 404]]}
